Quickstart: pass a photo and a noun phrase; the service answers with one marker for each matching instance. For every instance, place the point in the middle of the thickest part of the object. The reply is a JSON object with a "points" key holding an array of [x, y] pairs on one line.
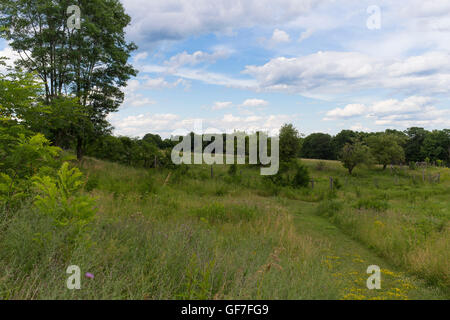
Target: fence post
{"points": [[423, 175], [212, 172], [331, 183], [312, 183]]}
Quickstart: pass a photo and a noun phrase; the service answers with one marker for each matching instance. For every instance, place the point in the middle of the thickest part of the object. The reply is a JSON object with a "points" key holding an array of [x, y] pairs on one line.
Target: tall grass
{"points": [[187, 235], [167, 243]]}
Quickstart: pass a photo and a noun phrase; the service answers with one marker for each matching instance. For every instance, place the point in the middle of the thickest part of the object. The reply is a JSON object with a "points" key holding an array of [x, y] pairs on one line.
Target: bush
{"points": [[60, 198], [301, 178]]}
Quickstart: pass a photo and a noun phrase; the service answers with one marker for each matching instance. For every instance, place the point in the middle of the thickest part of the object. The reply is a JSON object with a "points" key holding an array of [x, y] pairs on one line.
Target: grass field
{"points": [[191, 236]]}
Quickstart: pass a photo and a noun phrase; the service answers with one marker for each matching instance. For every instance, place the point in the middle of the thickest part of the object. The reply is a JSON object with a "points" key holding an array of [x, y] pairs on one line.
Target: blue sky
{"points": [[323, 65]]}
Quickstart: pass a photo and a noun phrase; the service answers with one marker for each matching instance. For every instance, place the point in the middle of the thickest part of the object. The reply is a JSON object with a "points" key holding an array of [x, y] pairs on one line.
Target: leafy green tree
{"points": [[386, 149], [436, 145], [413, 146], [354, 154], [90, 64], [341, 139], [289, 142], [317, 146], [19, 96]]}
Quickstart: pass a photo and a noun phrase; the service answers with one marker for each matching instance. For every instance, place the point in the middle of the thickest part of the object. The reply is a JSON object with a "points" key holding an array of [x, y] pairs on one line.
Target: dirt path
{"points": [[348, 261]]}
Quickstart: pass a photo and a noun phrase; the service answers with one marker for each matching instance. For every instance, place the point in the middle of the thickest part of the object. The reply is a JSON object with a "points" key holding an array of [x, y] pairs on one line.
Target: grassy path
{"points": [[348, 261]]}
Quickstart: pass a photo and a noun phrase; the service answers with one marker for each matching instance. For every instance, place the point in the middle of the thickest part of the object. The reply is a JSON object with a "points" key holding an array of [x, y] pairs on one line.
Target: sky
{"points": [[322, 65]]}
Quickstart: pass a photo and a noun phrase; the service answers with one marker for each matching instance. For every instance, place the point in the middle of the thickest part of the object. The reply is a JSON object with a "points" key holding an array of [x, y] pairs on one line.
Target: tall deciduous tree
{"points": [[416, 137], [354, 154], [318, 146], [90, 63], [386, 149], [289, 143]]}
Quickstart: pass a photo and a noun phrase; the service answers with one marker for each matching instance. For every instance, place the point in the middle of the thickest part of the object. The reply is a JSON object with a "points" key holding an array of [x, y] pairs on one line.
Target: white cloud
{"points": [[161, 83], [178, 19], [412, 111], [280, 36], [359, 127], [140, 56], [254, 103], [350, 111], [340, 72], [203, 76], [133, 98], [196, 58]]}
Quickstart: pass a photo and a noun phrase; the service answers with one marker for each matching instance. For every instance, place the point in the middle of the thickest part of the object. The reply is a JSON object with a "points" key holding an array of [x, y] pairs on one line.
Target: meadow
{"points": [[184, 234]]}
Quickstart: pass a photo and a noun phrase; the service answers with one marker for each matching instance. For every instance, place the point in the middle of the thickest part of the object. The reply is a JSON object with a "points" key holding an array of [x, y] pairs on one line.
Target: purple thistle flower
{"points": [[89, 275]]}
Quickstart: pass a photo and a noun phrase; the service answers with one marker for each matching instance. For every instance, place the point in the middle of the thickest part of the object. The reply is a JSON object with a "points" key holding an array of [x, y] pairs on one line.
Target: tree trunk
{"points": [[384, 167]]}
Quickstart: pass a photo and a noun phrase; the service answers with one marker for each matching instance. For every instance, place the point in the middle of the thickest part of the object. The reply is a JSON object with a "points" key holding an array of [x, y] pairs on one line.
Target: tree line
{"points": [[385, 148]]}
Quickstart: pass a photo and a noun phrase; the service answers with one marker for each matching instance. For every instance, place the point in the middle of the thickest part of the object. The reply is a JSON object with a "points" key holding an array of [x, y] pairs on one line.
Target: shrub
{"points": [[61, 200], [301, 177]]}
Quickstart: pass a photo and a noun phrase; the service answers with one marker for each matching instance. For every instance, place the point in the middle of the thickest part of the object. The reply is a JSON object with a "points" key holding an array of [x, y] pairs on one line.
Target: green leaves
{"points": [[22, 157], [354, 154], [60, 198], [386, 149]]}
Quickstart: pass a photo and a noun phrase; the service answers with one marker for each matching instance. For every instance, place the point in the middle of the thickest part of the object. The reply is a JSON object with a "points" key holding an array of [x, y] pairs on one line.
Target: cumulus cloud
{"points": [[254, 103], [349, 111], [198, 57], [412, 111], [178, 19], [280, 36], [337, 72]]}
